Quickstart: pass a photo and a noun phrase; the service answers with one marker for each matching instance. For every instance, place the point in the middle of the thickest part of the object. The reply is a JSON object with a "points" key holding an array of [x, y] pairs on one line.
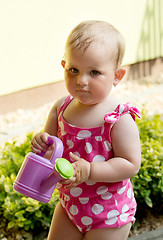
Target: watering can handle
{"points": [[58, 150]]}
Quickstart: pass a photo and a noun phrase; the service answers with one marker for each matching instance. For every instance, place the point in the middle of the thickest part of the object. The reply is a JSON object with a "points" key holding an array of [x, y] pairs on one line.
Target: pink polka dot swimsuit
{"points": [[92, 205]]}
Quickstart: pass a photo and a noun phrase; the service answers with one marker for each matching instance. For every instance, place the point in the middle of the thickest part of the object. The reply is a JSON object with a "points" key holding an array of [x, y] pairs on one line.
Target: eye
{"points": [[94, 73], [74, 70]]}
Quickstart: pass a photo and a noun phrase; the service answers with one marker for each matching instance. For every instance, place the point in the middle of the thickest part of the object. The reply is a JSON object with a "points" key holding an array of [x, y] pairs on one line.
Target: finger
{"points": [[35, 146], [68, 187], [44, 137], [35, 149], [38, 145], [74, 157], [71, 185], [68, 181]]}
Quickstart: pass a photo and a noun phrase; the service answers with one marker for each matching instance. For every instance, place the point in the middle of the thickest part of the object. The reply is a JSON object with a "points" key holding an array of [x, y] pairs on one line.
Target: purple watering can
{"points": [[37, 177]]}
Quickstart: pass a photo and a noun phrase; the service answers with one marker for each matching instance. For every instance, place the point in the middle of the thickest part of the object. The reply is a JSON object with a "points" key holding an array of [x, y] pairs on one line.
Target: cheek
{"points": [[102, 88], [70, 83]]}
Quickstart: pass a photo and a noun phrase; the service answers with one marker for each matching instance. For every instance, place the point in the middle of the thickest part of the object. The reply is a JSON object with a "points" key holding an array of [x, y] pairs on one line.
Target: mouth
{"points": [[81, 90]]}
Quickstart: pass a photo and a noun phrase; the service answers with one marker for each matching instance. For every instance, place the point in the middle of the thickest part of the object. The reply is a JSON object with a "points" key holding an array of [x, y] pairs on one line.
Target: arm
{"points": [[127, 154], [40, 141]]}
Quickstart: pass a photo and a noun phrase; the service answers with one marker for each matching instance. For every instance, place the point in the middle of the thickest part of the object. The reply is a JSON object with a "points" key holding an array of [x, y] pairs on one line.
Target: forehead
{"points": [[95, 55]]}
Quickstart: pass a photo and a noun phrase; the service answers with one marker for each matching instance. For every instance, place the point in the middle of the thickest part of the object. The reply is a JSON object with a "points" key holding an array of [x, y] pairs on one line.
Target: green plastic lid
{"points": [[64, 167]]}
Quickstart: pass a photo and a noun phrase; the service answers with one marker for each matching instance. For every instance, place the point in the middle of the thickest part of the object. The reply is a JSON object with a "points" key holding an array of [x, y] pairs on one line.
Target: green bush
{"points": [[148, 183], [20, 212], [16, 210]]}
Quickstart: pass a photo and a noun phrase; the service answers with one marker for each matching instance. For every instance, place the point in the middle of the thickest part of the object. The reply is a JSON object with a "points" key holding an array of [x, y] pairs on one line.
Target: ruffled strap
{"points": [[122, 109]]}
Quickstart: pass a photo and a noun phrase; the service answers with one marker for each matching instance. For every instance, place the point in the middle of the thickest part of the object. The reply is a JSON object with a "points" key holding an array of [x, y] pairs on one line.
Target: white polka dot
{"points": [[74, 210], [112, 217], [112, 213], [62, 128], [67, 198], [129, 193], [88, 148], [121, 108], [102, 190], [98, 138], [60, 114], [102, 130], [62, 202], [99, 158], [76, 191], [107, 146], [125, 208], [124, 216], [80, 229], [70, 216], [121, 190], [84, 200], [106, 196], [111, 118], [83, 134], [89, 182], [111, 221], [70, 143], [97, 208], [86, 220], [116, 203]]}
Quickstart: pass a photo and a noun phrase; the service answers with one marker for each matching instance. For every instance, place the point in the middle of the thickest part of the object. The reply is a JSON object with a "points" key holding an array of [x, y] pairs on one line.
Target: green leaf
{"points": [[149, 202]]}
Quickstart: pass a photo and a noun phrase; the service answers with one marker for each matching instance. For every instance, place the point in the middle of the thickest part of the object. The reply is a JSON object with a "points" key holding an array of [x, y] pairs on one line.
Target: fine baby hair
{"points": [[89, 32]]}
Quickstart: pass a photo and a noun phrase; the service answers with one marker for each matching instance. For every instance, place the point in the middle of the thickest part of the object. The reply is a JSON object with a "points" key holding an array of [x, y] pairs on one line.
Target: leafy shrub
{"points": [[148, 183], [16, 210]]}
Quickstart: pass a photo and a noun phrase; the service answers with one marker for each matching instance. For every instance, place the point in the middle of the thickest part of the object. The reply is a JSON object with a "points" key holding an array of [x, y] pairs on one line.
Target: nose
{"points": [[82, 80]]}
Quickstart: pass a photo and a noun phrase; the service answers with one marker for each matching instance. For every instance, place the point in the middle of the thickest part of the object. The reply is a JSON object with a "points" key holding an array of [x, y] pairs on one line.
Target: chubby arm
{"points": [[127, 154]]}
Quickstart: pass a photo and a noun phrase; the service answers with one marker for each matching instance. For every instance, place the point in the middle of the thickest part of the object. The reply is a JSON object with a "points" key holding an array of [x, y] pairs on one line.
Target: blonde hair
{"points": [[87, 32]]}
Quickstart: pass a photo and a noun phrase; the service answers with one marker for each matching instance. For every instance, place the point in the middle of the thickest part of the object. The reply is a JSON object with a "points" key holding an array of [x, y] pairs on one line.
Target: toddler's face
{"points": [[89, 77]]}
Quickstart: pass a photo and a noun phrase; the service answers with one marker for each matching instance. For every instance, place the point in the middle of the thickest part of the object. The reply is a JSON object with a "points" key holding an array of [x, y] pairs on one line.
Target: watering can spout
{"points": [[62, 170]]}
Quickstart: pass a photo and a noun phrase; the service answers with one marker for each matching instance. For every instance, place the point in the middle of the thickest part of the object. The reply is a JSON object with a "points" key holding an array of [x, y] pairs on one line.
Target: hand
{"points": [[40, 143], [81, 172]]}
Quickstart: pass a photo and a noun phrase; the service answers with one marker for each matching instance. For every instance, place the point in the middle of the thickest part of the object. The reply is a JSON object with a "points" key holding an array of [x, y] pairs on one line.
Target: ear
{"points": [[63, 63], [119, 74]]}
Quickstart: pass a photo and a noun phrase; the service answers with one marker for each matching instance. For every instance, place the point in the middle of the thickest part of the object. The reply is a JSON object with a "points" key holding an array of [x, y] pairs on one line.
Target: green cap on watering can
{"points": [[64, 167]]}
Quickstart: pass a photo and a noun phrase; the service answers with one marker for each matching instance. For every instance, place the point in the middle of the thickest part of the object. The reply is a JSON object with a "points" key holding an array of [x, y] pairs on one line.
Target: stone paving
{"points": [[152, 235]]}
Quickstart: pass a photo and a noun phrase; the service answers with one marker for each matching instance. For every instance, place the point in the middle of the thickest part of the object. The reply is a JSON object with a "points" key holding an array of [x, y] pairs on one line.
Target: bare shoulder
{"points": [[125, 138], [60, 102], [51, 123], [125, 126], [57, 105]]}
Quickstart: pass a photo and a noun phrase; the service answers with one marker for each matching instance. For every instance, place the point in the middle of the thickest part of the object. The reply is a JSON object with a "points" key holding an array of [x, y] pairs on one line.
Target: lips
{"points": [[81, 90]]}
